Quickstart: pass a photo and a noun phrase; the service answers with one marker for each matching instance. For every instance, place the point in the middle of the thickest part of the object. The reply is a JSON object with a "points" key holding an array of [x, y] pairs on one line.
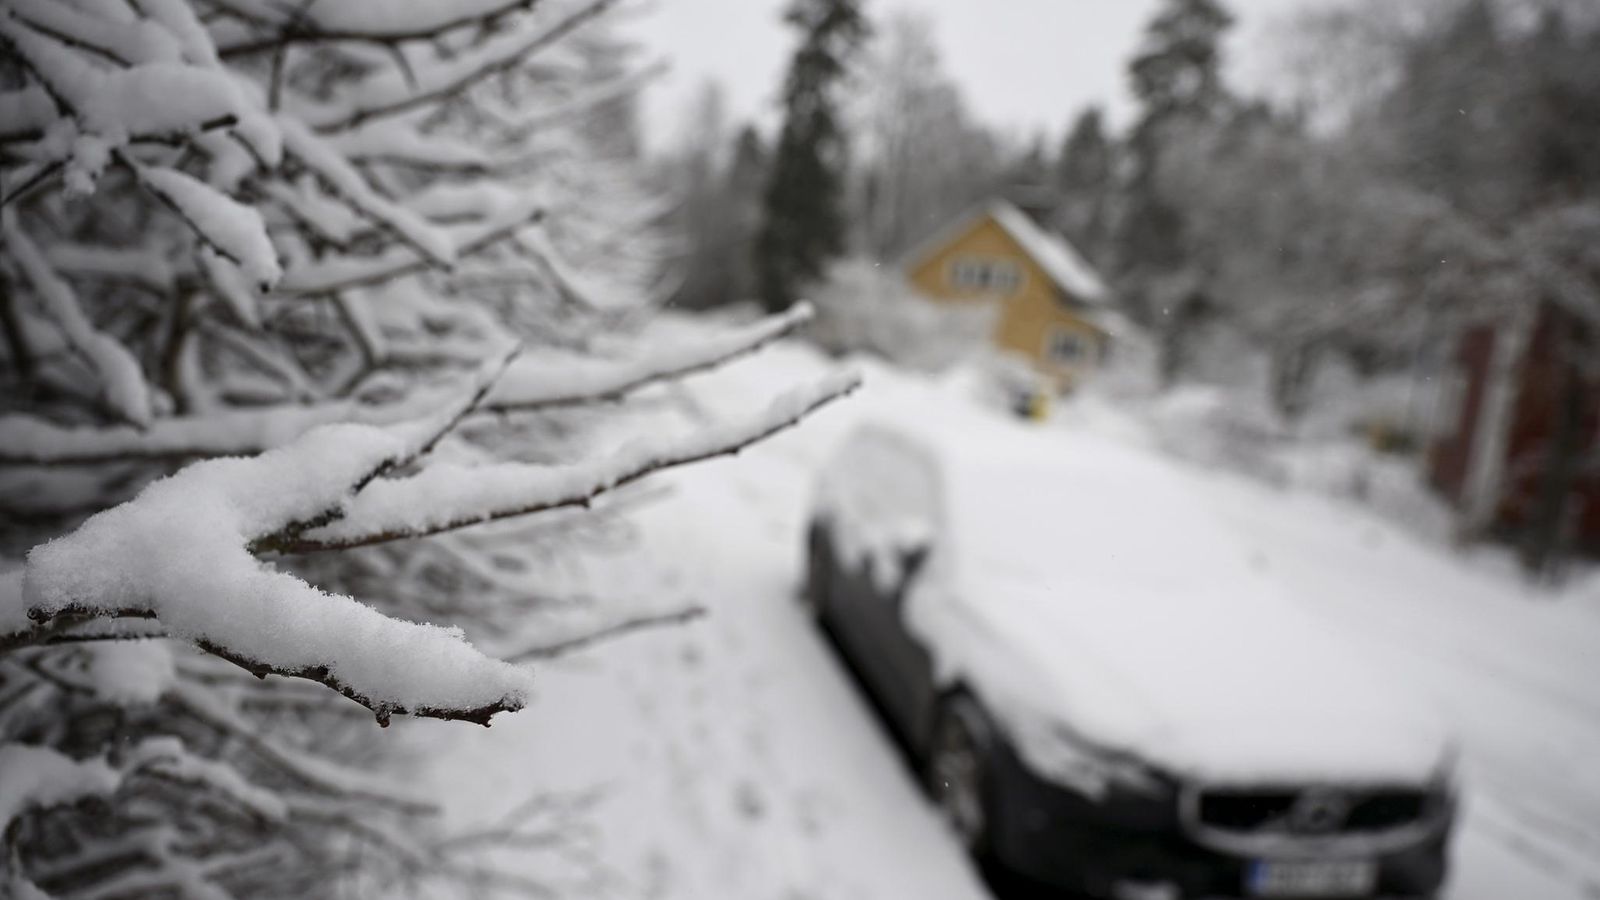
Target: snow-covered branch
{"points": [[554, 381], [121, 381], [344, 21], [446, 497], [444, 78], [346, 273], [533, 381], [139, 559]]}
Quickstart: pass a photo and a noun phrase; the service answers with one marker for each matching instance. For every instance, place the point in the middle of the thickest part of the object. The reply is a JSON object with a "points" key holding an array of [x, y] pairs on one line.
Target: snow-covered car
{"points": [[1102, 684]]}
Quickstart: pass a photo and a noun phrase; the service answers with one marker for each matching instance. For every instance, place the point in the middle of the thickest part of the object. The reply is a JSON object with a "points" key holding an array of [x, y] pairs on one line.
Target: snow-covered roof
{"points": [[1054, 254], [1065, 266]]}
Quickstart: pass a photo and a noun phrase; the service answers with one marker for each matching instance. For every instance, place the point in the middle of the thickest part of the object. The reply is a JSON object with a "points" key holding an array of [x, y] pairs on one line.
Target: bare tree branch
{"points": [[610, 632]]}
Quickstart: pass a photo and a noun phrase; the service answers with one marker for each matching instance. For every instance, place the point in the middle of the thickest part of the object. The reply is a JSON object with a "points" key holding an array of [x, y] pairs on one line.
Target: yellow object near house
{"points": [[1052, 303]]}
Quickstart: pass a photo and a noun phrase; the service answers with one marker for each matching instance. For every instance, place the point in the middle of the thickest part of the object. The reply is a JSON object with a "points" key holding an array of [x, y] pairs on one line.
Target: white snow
{"points": [[234, 228], [740, 762], [180, 551], [130, 673], [150, 99], [38, 777], [232, 287], [1083, 581]]}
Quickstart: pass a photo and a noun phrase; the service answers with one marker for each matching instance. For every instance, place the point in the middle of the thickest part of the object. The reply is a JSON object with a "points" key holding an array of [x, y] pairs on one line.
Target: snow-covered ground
{"points": [[735, 759]]}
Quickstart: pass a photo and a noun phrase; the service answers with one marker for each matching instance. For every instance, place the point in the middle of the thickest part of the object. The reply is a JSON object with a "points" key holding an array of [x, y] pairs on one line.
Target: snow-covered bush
{"points": [[1228, 431], [1220, 429], [280, 280], [867, 307]]}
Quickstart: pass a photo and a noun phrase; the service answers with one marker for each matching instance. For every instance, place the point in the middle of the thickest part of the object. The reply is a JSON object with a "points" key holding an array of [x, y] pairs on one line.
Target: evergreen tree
{"points": [[1177, 73], [1084, 179], [1177, 78], [804, 226], [745, 181]]}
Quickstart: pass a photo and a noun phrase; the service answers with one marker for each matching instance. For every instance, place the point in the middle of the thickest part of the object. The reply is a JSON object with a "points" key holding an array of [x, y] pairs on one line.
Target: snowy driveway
{"points": [[738, 762]]}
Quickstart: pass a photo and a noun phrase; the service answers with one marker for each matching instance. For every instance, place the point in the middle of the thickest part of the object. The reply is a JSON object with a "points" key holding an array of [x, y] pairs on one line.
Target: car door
{"points": [[889, 529]]}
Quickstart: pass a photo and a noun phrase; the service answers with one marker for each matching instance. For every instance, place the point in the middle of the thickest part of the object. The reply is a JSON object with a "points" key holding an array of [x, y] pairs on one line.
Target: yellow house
{"points": [[1053, 306]]}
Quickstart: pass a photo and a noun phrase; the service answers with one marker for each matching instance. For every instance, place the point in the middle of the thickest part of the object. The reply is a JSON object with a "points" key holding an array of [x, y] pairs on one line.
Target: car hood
{"points": [[1237, 686]]}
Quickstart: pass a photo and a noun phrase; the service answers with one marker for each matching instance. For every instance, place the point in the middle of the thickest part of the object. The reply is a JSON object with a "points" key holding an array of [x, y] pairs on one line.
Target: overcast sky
{"points": [[1025, 65]]}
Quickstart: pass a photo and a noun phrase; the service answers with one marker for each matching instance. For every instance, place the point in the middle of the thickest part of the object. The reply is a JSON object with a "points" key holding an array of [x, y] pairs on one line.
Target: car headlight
{"points": [[1056, 754]]}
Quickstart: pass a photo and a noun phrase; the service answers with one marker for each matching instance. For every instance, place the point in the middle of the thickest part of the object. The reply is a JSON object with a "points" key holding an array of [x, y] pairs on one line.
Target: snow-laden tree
{"points": [[281, 280], [922, 159]]}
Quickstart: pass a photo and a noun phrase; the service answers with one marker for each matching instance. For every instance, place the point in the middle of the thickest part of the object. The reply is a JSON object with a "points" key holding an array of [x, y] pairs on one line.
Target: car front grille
{"points": [[1257, 810], [1245, 816]]}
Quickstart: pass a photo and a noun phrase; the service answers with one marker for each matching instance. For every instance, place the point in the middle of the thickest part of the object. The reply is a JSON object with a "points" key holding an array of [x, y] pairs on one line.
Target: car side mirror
{"points": [[912, 558]]}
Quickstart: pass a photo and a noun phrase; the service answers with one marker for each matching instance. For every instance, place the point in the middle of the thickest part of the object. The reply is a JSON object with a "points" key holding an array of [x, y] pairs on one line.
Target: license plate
{"points": [[1312, 878]]}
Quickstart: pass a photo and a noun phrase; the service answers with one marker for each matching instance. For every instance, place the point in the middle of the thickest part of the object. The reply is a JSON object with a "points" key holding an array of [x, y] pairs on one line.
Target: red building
{"points": [[1517, 398]]}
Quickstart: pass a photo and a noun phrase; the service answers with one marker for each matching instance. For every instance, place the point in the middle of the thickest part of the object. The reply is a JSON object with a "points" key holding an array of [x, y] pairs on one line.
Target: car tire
{"points": [[958, 770], [814, 592]]}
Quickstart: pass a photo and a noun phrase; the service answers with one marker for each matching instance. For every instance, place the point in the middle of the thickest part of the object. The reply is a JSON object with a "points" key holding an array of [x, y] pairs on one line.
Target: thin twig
{"points": [[610, 632]]}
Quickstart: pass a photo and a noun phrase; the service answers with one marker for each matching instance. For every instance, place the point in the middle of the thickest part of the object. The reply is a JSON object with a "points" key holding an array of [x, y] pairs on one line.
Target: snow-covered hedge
{"points": [[867, 307]]}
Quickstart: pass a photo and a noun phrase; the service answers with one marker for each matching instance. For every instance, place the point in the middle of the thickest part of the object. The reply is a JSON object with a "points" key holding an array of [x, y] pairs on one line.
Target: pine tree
{"points": [[804, 203], [1178, 71], [1084, 176], [1177, 78]]}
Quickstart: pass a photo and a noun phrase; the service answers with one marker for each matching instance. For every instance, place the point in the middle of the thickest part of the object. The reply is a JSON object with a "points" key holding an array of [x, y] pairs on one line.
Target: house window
{"points": [[989, 276], [1065, 347]]}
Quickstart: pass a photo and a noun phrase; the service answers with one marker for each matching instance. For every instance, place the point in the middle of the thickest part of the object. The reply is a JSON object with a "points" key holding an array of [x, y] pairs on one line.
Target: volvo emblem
{"points": [[1319, 812]]}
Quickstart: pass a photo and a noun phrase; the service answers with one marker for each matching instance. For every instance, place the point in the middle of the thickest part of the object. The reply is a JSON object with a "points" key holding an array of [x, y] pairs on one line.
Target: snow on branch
{"points": [[121, 380], [39, 777], [29, 440], [179, 553], [233, 230], [112, 105], [341, 20], [547, 382], [392, 93], [343, 273], [529, 383], [446, 496], [340, 176]]}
